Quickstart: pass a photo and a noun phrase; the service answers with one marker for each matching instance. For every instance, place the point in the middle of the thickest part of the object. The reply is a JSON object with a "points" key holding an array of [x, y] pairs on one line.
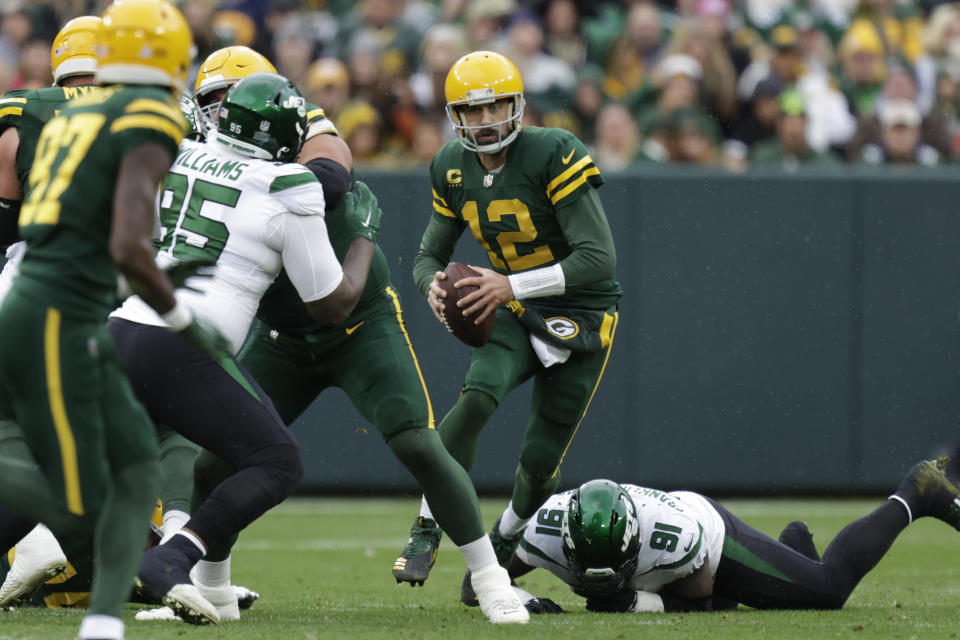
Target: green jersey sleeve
{"points": [[12, 105]]}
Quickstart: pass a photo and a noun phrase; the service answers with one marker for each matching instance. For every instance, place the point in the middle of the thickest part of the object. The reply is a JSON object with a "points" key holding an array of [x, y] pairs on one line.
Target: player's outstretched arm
{"points": [[131, 246]]}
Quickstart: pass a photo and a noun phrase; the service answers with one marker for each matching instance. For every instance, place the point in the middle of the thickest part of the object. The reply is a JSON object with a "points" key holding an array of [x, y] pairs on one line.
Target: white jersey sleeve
{"points": [[297, 190], [308, 257]]}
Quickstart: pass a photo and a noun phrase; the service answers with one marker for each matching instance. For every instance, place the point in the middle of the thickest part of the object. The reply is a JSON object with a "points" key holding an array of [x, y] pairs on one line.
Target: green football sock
{"points": [[120, 535], [177, 456], [445, 483], [460, 428], [530, 492]]}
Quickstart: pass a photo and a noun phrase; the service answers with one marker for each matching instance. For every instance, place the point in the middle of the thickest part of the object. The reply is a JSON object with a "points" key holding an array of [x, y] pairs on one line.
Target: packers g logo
{"points": [[563, 328], [454, 176]]}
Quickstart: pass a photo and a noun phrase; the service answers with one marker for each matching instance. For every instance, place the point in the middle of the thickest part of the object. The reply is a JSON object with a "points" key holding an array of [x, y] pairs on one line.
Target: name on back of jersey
{"points": [[195, 159]]}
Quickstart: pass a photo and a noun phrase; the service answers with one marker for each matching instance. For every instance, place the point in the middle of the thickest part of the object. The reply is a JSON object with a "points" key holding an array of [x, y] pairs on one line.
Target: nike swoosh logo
{"points": [[350, 330], [366, 223], [566, 159]]}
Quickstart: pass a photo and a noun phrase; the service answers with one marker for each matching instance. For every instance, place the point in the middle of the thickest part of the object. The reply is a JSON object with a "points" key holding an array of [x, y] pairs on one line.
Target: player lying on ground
{"points": [[627, 548]]}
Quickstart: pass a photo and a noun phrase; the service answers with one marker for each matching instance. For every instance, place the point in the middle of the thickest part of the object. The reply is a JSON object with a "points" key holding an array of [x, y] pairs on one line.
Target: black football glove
{"points": [[542, 605], [620, 602]]}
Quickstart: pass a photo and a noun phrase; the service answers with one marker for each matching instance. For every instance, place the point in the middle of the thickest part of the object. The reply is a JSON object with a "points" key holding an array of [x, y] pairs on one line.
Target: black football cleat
{"points": [[417, 558], [928, 492]]}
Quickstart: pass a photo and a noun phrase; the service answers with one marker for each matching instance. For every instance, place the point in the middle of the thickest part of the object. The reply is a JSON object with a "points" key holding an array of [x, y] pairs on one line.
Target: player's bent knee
{"points": [[281, 466]]}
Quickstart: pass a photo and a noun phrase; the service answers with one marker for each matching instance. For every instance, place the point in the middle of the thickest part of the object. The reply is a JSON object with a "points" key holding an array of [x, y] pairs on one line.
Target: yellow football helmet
{"points": [[144, 42], [483, 77], [222, 69], [74, 50]]}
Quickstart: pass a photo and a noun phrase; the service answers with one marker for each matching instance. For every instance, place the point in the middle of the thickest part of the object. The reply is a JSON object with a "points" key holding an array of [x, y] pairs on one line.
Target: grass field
{"points": [[322, 567]]}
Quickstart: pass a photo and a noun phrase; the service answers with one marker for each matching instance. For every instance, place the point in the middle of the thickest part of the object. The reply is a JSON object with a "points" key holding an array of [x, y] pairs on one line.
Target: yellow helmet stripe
{"points": [[148, 122]]}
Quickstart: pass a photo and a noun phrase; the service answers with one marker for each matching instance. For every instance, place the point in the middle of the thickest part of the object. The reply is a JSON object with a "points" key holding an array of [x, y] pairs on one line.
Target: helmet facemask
{"points": [[601, 538], [468, 134]]}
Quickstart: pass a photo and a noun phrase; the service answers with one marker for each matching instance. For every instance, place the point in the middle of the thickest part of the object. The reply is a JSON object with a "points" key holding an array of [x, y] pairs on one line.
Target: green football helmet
{"points": [[263, 116], [601, 537]]}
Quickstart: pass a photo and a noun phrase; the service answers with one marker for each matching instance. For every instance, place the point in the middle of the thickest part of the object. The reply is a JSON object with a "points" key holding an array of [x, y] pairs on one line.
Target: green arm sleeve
{"points": [[593, 257], [436, 249]]}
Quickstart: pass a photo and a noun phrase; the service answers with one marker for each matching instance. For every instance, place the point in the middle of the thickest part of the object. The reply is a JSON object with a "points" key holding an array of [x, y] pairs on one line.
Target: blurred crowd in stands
{"points": [[727, 83]]}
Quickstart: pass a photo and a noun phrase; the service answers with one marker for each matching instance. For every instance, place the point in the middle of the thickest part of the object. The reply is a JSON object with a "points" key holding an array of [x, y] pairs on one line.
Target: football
{"points": [[475, 335]]}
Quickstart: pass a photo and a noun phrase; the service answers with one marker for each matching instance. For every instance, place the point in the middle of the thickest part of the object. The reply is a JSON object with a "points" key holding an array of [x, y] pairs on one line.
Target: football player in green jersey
{"points": [[89, 213], [294, 358], [528, 196], [23, 113]]}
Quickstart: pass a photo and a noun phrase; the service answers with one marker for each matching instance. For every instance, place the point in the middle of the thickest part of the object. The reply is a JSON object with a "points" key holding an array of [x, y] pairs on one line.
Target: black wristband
{"points": [[9, 215]]}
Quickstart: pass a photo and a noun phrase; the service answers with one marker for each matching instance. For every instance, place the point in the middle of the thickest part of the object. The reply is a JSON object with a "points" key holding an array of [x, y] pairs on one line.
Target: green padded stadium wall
{"points": [[778, 333]]}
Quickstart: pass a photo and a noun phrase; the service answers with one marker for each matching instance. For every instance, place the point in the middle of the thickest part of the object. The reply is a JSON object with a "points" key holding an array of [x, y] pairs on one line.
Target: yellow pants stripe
{"points": [[416, 363], [613, 330], [58, 410]]}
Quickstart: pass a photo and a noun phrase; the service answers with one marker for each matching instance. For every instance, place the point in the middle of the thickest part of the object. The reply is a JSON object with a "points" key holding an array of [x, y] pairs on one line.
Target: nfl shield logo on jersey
{"points": [[264, 125], [488, 180]]}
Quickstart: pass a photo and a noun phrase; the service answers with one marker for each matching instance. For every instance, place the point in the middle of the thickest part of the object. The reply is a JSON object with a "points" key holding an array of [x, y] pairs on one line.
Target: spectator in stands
{"points": [[719, 80], [898, 25], [548, 82], [485, 23], [328, 86], [687, 136], [899, 86], [234, 28], [789, 150], [443, 45], [677, 81], [383, 22], [34, 65], [293, 52], [361, 127], [645, 30], [900, 143], [199, 15], [758, 124], [587, 101], [618, 139], [563, 38], [863, 68]]}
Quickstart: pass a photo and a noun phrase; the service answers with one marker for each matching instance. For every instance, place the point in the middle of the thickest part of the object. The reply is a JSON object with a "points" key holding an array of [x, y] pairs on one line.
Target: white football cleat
{"points": [[165, 614], [223, 598], [37, 558], [188, 603], [498, 601]]}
